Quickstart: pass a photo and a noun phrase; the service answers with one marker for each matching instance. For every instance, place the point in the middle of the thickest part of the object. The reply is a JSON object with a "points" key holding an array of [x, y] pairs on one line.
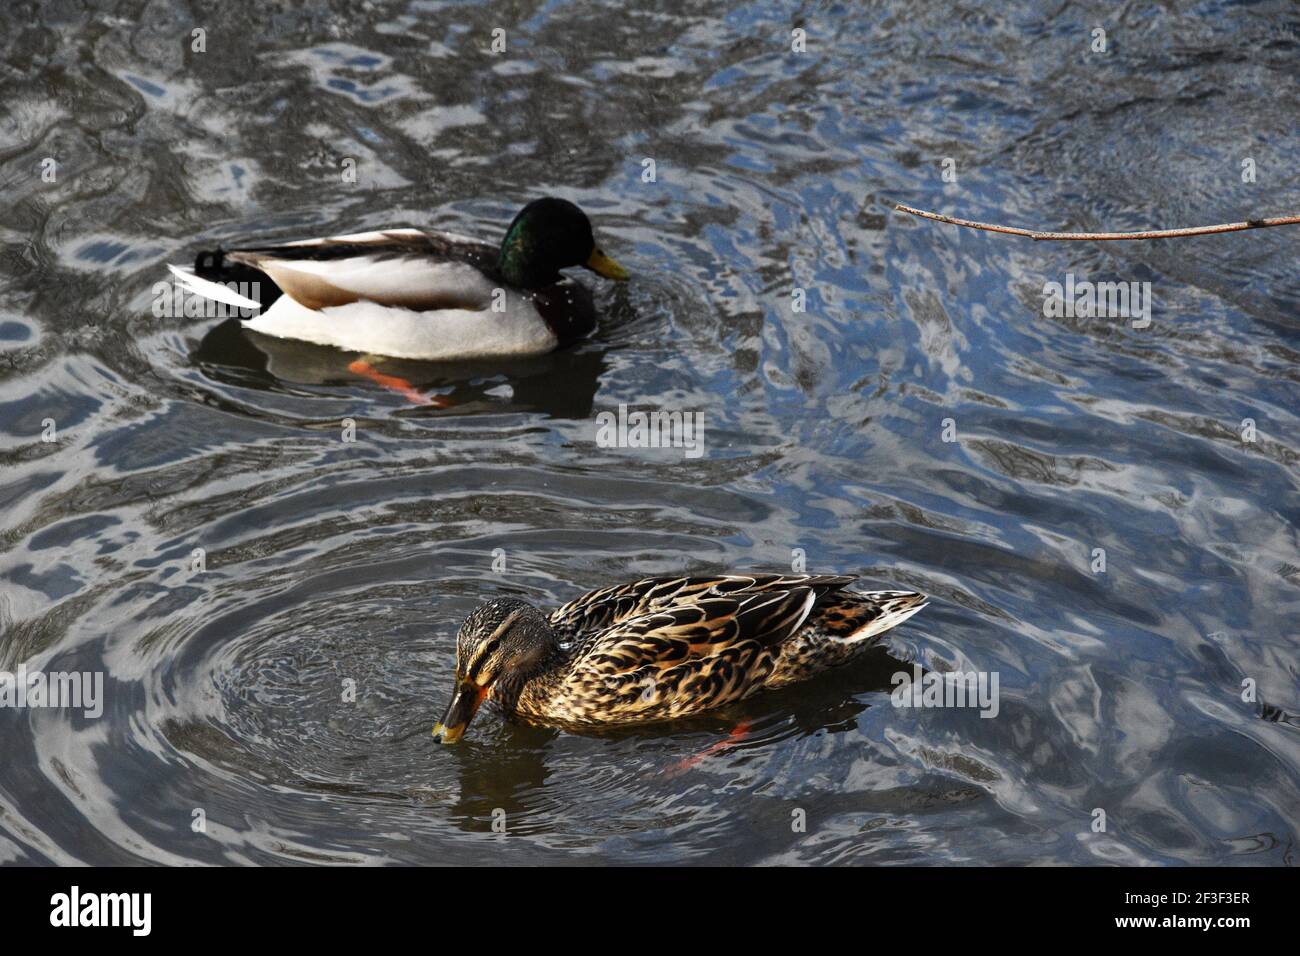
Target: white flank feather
{"points": [[403, 333]]}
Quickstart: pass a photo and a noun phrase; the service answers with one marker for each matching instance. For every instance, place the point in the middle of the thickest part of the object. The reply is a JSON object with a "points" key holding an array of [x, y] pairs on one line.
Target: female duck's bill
{"points": [[465, 702]]}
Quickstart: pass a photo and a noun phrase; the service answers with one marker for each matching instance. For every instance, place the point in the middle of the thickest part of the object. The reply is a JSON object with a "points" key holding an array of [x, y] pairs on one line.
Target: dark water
{"points": [[329, 562]]}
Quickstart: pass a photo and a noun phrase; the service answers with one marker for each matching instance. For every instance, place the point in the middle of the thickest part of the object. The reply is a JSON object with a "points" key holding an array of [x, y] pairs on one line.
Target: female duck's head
{"points": [[549, 235], [500, 646]]}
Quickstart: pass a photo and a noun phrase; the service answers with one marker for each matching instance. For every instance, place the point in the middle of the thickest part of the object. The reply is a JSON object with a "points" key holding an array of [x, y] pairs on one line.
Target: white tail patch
{"points": [[212, 290]]}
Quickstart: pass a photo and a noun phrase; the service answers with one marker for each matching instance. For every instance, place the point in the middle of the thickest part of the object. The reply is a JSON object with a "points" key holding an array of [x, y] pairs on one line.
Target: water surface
{"points": [[332, 564]]}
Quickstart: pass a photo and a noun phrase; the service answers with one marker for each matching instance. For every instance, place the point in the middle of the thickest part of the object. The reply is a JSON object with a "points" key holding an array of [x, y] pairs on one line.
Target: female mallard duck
{"points": [[412, 294], [661, 648]]}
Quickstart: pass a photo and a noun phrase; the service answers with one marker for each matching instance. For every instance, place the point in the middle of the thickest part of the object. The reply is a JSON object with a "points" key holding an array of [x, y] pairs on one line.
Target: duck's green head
{"points": [[549, 235]]}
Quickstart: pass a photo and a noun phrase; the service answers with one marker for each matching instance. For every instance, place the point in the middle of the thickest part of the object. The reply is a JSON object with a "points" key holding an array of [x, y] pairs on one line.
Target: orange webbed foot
{"points": [[736, 735], [396, 384]]}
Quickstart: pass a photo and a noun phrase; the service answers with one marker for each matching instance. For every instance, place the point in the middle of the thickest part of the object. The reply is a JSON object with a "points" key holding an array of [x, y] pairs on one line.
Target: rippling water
{"points": [[329, 562]]}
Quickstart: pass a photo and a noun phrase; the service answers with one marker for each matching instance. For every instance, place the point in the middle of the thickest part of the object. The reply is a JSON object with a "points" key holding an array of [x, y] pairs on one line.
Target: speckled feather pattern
{"points": [[664, 648]]}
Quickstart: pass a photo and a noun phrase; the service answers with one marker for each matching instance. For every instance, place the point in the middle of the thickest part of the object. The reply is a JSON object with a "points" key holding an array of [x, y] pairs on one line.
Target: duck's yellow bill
{"points": [[603, 265]]}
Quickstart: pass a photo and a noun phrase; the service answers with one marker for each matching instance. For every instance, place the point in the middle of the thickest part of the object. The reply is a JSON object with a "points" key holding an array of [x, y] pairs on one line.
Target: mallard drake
{"points": [[661, 648], [408, 293]]}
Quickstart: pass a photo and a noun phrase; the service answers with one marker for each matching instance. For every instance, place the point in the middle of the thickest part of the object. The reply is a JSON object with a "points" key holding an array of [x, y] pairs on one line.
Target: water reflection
{"points": [[560, 385]]}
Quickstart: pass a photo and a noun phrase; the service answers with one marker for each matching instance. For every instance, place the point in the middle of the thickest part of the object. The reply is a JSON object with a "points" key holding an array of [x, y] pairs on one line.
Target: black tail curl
{"points": [[213, 265]]}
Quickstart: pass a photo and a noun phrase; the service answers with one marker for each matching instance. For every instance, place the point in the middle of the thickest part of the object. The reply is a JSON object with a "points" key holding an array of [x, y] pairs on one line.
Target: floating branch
{"points": [[1154, 234]]}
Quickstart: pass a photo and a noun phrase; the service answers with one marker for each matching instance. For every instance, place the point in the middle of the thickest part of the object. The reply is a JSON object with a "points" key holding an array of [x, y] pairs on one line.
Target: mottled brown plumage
{"points": [[662, 648]]}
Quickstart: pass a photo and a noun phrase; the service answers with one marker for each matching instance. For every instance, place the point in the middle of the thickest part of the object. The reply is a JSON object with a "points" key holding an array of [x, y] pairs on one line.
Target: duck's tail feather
{"points": [[209, 289], [883, 611], [215, 276], [845, 625], [854, 618]]}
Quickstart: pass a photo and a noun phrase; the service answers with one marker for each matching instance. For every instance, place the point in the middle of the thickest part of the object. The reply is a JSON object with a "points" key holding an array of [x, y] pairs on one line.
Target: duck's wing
{"points": [[604, 608], [688, 657], [406, 268]]}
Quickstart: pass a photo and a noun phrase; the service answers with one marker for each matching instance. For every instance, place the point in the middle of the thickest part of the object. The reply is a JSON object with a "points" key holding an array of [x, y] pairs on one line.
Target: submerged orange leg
{"points": [[737, 734], [395, 384]]}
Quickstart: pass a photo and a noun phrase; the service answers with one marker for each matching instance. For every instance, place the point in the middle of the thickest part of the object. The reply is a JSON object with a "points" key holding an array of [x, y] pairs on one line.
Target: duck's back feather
{"points": [[401, 267], [603, 608], [664, 648]]}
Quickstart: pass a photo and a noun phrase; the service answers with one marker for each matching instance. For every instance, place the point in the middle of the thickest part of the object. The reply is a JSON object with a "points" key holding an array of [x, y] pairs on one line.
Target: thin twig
{"points": [[1153, 234]]}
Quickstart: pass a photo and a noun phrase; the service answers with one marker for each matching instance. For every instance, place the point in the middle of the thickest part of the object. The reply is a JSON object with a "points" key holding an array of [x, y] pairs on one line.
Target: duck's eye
{"points": [[490, 648]]}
